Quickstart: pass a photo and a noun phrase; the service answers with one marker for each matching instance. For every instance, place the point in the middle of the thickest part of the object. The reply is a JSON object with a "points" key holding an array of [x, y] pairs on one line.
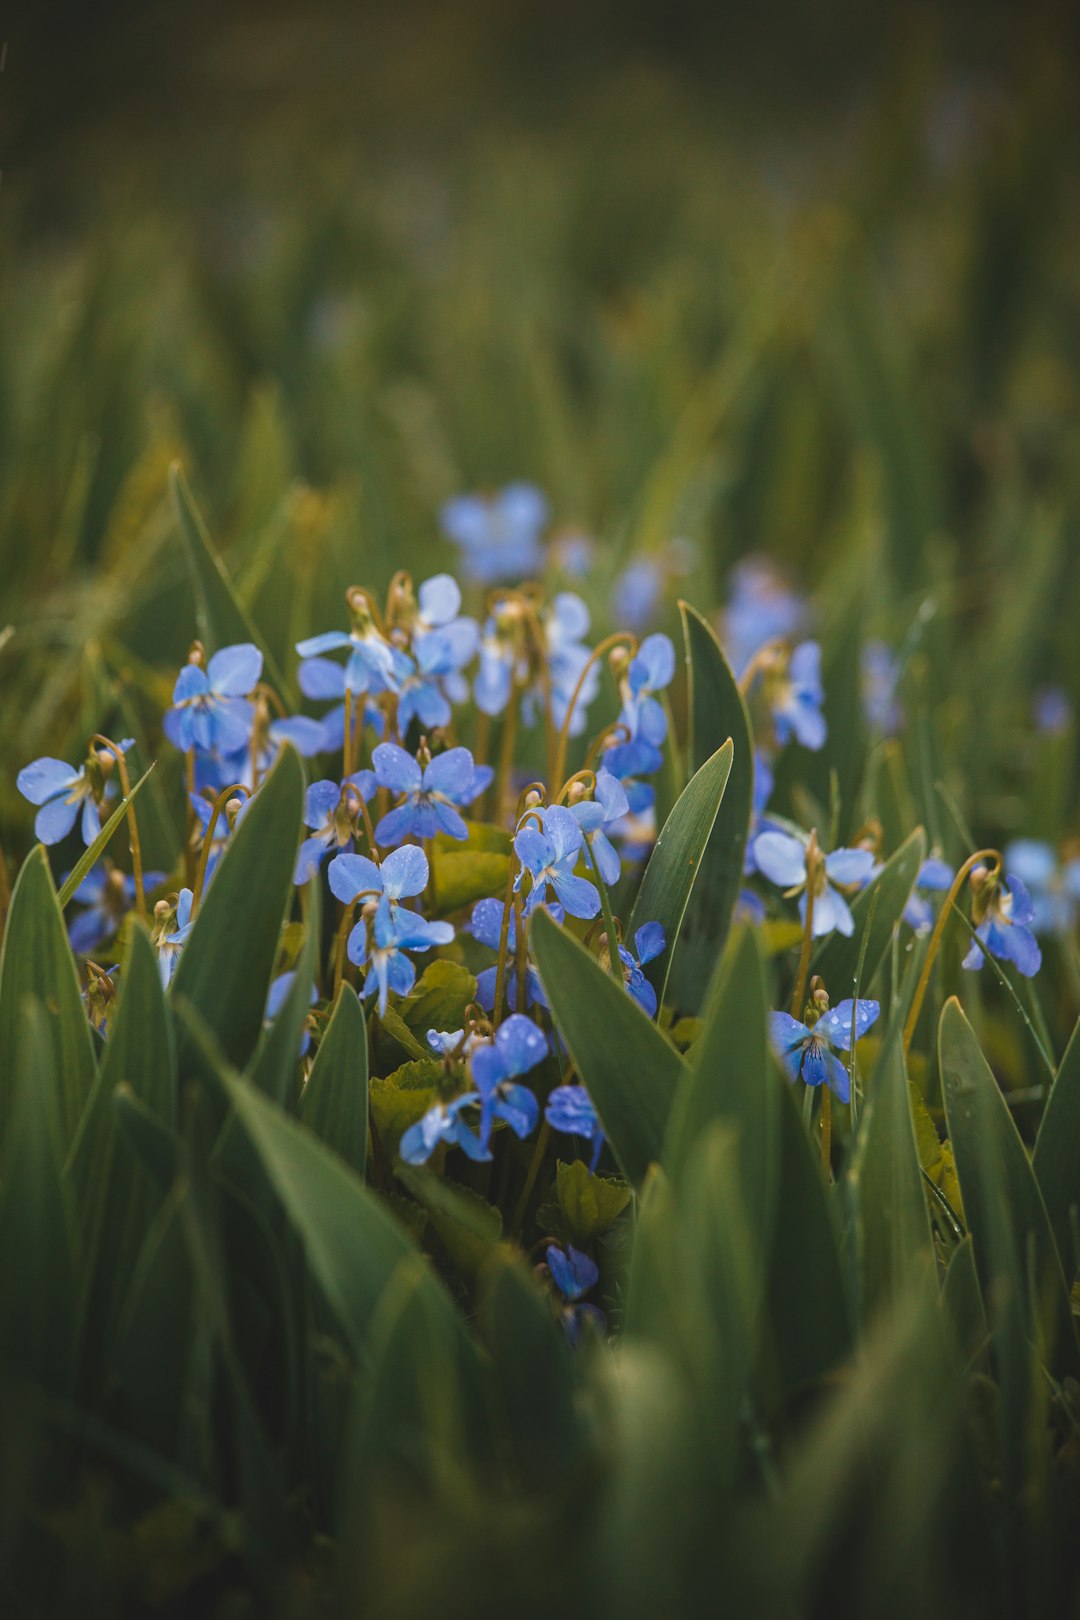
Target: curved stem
{"points": [[586, 776], [346, 762], [761, 659], [935, 938], [208, 839], [597, 653], [504, 943], [813, 861], [339, 948], [132, 821]]}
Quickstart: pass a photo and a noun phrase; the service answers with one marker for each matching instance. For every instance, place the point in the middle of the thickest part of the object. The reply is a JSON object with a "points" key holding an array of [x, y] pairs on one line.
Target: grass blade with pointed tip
{"points": [[100, 844], [677, 859], [630, 1070], [1057, 1157], [37, 961], [837, 960], [335, 1100], [225, 968], [221, 617], [717, 712]]}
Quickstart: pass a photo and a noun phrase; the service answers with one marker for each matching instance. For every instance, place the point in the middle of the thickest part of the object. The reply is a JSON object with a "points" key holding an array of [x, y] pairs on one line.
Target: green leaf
{"points": [[629, 1069], [879, 908], [439, 1000], [100, 844], [590, 1204], [1057, 1157], [37, 961], [469, 1227], [717, 712], [465, 875], [676, 860], [335, 1100], [221, 617], [894, 1240], [808, 1319], [155, 1331], [155, 1145], [352, 1244], [39, 1265], [225, 967], [731, 1078], [1015, 1253]]}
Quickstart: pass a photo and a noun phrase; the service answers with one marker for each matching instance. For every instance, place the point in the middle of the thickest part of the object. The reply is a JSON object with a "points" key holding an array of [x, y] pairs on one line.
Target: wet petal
{"points": [[235, 671]]}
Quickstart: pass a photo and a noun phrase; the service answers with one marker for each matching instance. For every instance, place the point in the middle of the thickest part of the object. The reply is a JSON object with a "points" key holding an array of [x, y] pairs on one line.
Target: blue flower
{"points": [[452, 1044], [211, 711], [499, 657], [1052, 711], [324, 681], [62, 792], [549, 857], [595, 816], [574, 1275], [806, 1051], [386, 930], [374, 664], [332, 809], [565, 624], [442, 644], [499, 535], [628, 762], [935, 877], [1005, 913], [486, 926], [1053, 886], [880, 677], [569, 1110], [649, 942], [442, 1124], [762, 793], [795, 695], [275, 1000], [496, 1065], [636, 594], [762, 608], [651, 670], [108, 896], [431, 793], [172, 928], [782, 859]]}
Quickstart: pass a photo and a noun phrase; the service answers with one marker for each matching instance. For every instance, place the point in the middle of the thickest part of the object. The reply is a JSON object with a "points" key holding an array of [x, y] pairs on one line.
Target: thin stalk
{"points": [[504, 942], [614, 964], [347, 759], [132, 821], [189, 846], [826, 1132], [813, 861], [208, 839], [506, 750], [521, 955], [540, 1149], [339, 947], [935, 938], [597, 653]]}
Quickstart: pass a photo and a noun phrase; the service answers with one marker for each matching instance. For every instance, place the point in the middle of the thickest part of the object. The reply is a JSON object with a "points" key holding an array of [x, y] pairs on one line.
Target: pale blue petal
{"points": [[781, 858], [235, 671], [44, 778]]}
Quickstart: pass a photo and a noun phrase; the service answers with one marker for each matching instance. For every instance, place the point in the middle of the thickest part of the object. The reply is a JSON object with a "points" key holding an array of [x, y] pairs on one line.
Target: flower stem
{"points": [[614, 964], [564, 730], [132, 821], [935, 938], [813, 863], [541, 1147], [208, 839], [506, 751], [826, 1132], [339, 949], [504, 944], [346, 763]]}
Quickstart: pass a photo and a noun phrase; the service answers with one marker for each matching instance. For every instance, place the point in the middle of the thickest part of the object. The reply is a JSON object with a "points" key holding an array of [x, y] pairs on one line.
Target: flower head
{"points": [[1052, 885], [442, 1125], [1003, 913], [782, 858], [569, 1110], [108, 895], [65, 793], [496, 1065], [386, 929], [486, 926], [332, 810], [574, 1275], [499, 535], [795, 694], [549, 857], [651, 670], [431, 792], [172, 927], [649, 942], [762, 608], [211, 710], [596, 816], [808, 1051]]}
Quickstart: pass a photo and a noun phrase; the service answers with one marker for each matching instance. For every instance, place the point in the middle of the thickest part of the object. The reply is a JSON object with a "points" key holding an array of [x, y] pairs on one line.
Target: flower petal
{"points": [[235, 671], [781, 858]]}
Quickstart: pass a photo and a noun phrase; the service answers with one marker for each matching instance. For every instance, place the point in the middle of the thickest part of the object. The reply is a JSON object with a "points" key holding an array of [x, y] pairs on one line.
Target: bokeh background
{"points": [[800, 280]]}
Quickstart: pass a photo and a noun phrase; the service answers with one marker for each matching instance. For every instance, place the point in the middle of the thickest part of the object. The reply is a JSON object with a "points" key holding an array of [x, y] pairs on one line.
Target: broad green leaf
{"points": [[335, 1100], [114, 1194], [469, 1227], [717, 712], [531, 1375], [39, 1252], [352, 1243], [808, 1329], [100, 844], [878, 908], [893, 1230], [676, 860], [961, 1300], [590, 1204], [1057, 1157], [731, 1079], [629, 1069], [439, 1000], [463, 876], [155, 1330], [154, 1144], [37, 961], [225, 967], [222, 618], [398, 1100]]}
